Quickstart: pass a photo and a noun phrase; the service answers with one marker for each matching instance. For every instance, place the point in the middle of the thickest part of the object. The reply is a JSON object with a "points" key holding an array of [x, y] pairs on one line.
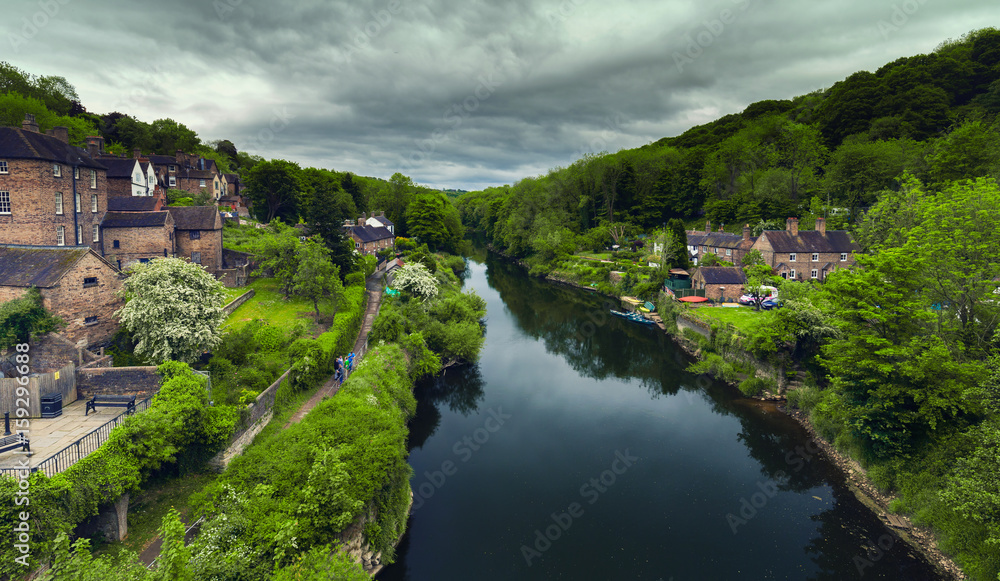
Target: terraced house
{"points": [[51, 193], [807, 254]]}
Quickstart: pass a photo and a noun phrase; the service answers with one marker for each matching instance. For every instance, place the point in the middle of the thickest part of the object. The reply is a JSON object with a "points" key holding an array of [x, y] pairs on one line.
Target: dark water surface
{"points": [[612, 462]]}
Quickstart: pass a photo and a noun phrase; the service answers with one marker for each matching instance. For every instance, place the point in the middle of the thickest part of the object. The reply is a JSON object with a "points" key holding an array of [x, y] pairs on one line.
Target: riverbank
{"points": [[920, 538]]}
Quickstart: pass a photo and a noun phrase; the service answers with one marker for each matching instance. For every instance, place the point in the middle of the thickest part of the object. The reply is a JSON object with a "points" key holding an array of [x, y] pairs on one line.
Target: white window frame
{"points": [[60, 236], [59, 203], [93, 179], [79, 203], [843, 257], [171, 168], [79, 234], [815, 257], [76, 173], [172, 182], [814, 273], [791, 257], [3, 167], [56, 170], [201, 183], [97, 232], [93, 203], [791, 274], [5, 202]]}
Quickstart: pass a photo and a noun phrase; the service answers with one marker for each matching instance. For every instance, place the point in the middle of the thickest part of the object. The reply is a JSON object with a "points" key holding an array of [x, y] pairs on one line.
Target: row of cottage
{"points": [[71, 219], [793, 254]]}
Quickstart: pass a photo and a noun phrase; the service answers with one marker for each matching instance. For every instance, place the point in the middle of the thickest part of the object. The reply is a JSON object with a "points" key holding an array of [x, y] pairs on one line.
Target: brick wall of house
{"points": [[804, 264], [9, 293], [141, 382], [120, 187], [718, 292], [135, 244], [74, 302], [33, 219], [209, 244]]}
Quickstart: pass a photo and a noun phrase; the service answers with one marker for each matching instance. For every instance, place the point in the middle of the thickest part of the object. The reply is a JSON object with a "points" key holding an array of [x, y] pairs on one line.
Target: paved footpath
{"points": [[373, 287]]}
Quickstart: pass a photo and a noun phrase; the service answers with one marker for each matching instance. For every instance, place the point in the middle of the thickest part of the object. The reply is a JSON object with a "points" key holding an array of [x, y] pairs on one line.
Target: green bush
{"points": [[754, 386], [713, 364], [804, 398], [269, 338], [355, 279]]}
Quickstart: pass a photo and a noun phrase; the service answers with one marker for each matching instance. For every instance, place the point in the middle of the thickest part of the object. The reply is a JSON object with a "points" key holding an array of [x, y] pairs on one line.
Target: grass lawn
{"points": [[595, 255], [743, 318], [269, 304]]}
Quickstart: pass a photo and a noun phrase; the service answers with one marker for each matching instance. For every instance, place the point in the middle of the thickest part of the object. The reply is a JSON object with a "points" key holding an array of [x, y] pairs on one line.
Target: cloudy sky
{"points": [[460, 93]]}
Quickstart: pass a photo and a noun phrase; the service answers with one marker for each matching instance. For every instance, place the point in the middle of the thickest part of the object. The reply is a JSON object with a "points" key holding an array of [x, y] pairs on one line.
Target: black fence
{"points": [[79, 449]]}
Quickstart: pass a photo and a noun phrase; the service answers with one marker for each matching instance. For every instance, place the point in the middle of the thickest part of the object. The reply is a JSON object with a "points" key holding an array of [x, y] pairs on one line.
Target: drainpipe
{"points": [[76, 225]]}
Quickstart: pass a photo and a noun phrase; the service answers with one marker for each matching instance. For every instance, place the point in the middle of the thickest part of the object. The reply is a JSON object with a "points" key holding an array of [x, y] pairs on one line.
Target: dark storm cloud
{"points": [[462, 93]]}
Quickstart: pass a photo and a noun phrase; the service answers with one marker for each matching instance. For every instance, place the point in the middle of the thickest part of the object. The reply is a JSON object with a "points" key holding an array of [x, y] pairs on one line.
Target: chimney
{"points": [[708, 226], [60, 133], [821, 225], [181, 158], [746, 232], [792, 225], [29, 123], [722, 228], [95, 146], [136, 153]]}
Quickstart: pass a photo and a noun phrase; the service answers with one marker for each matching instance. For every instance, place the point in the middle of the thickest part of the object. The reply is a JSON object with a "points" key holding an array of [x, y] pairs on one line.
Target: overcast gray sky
{"points": [[460, 94]]}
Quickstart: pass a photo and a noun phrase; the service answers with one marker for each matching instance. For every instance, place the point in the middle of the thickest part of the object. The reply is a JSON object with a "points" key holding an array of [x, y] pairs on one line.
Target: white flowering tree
{"points": [[415, 278], [173, 309]]}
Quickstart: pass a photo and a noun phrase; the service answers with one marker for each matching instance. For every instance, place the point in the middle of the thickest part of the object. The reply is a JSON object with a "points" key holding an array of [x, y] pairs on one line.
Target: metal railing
{"points": [[79, 449]]}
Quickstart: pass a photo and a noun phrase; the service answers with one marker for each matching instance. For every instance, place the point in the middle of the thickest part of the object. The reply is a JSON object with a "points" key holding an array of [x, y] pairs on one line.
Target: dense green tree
{"points": [[24, 318], [434, 221], [316, 278], [972, 150], [275, 189], [277, 253], [168, 136]]}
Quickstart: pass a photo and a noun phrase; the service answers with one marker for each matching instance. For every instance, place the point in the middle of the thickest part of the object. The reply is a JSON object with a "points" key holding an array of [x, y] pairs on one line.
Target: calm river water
{"points": [[580, 449]]}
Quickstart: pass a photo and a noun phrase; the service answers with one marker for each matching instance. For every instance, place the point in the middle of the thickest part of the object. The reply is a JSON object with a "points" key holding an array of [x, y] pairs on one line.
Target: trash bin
{"points": [[51, 405]]}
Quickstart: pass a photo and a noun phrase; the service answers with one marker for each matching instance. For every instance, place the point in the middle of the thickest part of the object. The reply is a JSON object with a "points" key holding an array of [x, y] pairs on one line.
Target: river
{"points": [[580, 448]]}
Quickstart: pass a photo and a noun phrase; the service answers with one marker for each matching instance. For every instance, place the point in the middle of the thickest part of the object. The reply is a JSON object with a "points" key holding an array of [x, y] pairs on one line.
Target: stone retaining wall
{"points": [[235, 304]]}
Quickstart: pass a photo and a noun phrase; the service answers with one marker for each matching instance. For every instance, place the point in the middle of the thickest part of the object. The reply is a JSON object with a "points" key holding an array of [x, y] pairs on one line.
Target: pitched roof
{"points": [[371, 233], [17, 143], [811, 241], [134, 219], [118, 167], [194, 217], [40, 266], [383, 220], [162, 159], [132, 204], [722, 275], [232, 177]]}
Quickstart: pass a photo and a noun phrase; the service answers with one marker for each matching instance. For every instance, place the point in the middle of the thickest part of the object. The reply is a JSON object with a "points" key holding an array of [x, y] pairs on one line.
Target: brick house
{"points": [[51, 193], [198, 235], [721, 283], [728, 247], [807, 254], [130, 237], [75, 282], [128, 177], [190, 173], [370, 239]]}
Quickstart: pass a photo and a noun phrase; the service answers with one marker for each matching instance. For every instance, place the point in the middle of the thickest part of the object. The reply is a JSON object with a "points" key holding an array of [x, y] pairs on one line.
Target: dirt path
{"points": [[373, 287]]}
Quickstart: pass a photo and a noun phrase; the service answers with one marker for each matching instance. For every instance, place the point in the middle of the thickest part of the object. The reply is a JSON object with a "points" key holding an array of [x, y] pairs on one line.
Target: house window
{"points": [[843, 257], [76, 173], [195, 235], [172, 181], [791, 273], [97, 232], [79, 234], [196, 257], [729, 252], [78, 204], [4, 202], [59, 204], [93, 179], [791, 257], [172, 168], [3, 166], [93, 203], [814, 273], [201, 183], [89, 281], [90, 320], [56, 170], [138, 178], [115, 244], [815, 257], [60, 236]]}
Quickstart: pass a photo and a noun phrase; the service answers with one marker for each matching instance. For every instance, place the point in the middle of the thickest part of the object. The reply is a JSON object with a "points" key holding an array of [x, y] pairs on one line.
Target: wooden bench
{"points": [[12, 442], [120, 401]]}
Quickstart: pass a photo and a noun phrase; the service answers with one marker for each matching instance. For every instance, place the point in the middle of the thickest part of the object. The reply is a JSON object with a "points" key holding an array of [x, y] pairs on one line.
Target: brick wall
{"points": [[33, 218], [120, 187], [139, 381], [209, 244], [804, 264], [74, 302], [138, 243], [54, 351]]}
